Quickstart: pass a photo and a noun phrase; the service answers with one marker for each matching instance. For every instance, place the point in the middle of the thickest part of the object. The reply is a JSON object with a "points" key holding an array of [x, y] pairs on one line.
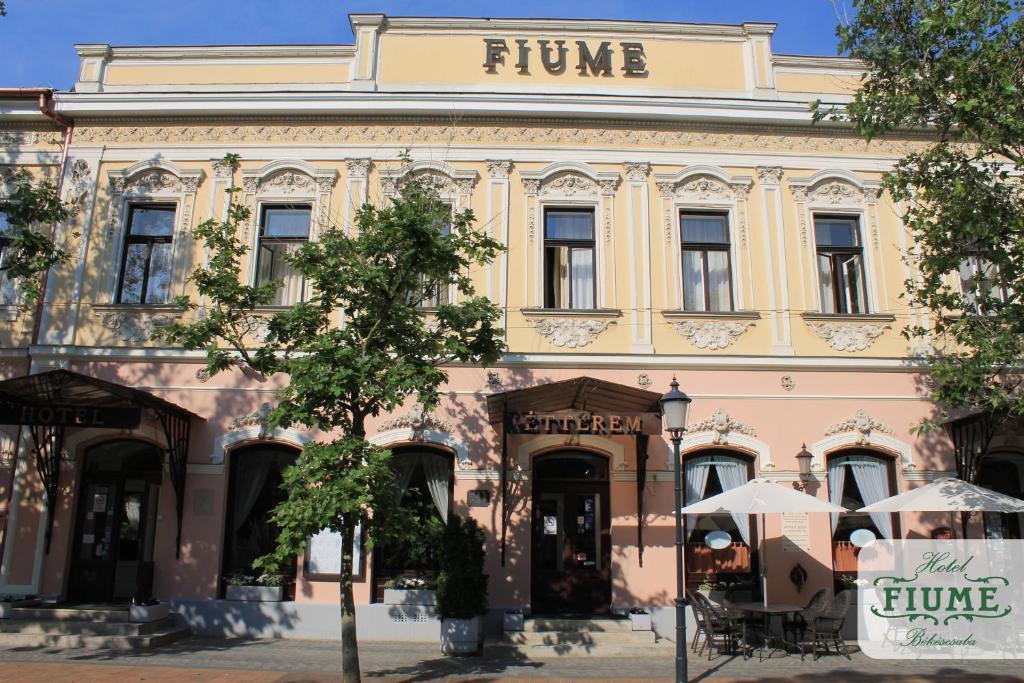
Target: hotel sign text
{"points": [[608, 424], [69, 416], [554, 57]]}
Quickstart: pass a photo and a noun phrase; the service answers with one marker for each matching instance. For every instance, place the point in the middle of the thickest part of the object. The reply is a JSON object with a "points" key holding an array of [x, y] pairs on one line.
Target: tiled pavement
{"points": [[294, 661]]}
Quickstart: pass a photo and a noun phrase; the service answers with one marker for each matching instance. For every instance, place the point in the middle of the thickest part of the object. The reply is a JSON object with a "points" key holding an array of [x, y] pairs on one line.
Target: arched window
{"points": [[254, 490], [1003, 472], [709, 473], [424, 479], [857, 478]]}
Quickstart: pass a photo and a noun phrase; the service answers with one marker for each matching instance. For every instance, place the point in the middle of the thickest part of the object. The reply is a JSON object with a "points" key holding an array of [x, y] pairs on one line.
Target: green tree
{"points": [[358, 346], [29, 211], [954, 73]]}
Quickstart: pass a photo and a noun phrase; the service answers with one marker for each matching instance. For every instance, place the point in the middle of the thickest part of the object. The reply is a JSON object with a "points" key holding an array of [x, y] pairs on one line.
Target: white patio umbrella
{"points": [[761, 496], [948, 494]]}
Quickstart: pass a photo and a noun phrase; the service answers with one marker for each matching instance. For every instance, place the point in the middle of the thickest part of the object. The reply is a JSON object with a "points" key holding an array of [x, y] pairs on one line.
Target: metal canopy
{"points": [[580, 393], [73, 392]]}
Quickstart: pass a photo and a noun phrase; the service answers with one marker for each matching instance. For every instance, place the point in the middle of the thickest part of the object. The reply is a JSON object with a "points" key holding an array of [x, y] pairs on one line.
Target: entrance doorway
{"points": [[116, 523], [571, 566]]}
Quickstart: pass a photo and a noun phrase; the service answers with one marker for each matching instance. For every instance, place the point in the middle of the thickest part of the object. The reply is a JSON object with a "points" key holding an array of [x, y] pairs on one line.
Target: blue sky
{"points": [[37, 35]]}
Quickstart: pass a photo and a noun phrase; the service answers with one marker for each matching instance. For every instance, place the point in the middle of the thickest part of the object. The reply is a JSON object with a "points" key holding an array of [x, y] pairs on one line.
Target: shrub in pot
{"points": [[461, 587]]}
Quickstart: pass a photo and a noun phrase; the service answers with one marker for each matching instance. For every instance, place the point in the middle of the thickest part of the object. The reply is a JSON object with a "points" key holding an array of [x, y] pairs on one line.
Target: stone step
{"points": [[69, 614], [579, 638], [544, 624], [97, 642], [78, 627]]}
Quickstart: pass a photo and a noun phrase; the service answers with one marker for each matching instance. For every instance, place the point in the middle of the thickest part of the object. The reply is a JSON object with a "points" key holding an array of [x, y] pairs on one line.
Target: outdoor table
{"points": [[767, 612]]}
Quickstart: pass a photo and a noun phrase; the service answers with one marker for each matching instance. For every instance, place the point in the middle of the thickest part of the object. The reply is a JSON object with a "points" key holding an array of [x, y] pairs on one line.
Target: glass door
{"points": [[95, 555]]}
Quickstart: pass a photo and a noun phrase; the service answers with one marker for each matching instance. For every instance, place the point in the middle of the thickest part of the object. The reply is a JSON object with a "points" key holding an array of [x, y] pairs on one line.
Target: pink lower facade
{"points": [[761, 417]]}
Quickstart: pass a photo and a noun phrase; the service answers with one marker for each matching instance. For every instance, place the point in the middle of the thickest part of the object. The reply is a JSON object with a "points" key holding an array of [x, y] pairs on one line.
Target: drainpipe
{"points": [[45, 98]]}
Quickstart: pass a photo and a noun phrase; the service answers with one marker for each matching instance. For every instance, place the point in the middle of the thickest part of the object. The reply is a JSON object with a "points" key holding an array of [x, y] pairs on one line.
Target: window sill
{"points": [[849, 318], [137, 308], [589, 313], [677, 315]]}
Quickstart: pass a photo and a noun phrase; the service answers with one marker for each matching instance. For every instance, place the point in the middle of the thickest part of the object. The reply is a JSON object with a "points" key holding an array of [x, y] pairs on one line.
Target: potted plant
{"points": [[9, 602], [410, 590], [461, 587], [513, 620], [640, 619], [252, 588]]}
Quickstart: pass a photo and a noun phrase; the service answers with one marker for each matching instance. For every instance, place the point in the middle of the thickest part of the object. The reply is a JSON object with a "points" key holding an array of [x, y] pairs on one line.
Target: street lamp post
{"points": [[674, 406]]}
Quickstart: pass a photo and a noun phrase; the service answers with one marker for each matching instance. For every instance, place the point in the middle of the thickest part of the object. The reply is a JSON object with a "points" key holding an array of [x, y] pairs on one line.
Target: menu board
{"points": [[323, 554], [796, 534]]}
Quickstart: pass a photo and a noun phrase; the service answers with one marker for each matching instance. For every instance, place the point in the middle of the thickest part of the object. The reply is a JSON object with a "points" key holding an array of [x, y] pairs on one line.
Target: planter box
{"points": [[513, 620], [6, 607], [461, 636], [255, 593], [640, 622], [141, 614], [409, 596]]}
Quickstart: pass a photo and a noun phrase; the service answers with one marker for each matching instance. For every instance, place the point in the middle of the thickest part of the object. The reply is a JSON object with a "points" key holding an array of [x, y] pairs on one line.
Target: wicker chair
{"points": [[715, 623], [798, 625], [826, 628]]}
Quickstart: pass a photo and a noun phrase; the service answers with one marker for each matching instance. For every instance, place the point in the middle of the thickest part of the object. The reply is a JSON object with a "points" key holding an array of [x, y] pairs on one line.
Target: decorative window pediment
{"points": [[703, 184], [833, 188], [570, 180], [451, 185]]}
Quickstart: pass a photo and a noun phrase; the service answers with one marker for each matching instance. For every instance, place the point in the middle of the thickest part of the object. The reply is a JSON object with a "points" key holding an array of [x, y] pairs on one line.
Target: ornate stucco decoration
{"points": [[148, 183], [135, 326], [493, 380], [787, 382], [699, 187], [637, 171], [710, 334], [860, 422], [769, 175], [848, 336], [722, 425], [450, 184], [499, 168], [258, 418], [203, 375], [287, 182], [81, 179], [569, 332], [568, 185], [644, 381], [17, 137], [419, 421], [357, 168], [221, 169]]}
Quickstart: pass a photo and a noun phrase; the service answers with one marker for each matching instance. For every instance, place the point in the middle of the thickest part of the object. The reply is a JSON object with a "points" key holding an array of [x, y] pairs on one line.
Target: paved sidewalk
{"points": [[296, 661]]}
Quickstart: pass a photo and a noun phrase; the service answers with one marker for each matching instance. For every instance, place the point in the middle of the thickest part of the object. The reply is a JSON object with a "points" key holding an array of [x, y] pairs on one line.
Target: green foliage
{"points": [[30, 210], [953, 71], [461, 583], [358, 346]]}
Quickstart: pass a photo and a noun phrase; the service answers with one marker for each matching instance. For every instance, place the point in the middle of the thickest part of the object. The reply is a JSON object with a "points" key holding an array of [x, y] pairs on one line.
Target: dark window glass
{"points": [[840, 265], [707, 268], [8, 293], [283, 229], [569, 278], [146, 262]]}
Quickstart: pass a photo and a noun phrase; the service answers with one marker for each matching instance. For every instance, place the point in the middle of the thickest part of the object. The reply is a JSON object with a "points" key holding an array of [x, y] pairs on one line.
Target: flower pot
{"points": [[141, 614], [461, 636], [513, 620], [409, 596], [640, 621], [255, 593]]}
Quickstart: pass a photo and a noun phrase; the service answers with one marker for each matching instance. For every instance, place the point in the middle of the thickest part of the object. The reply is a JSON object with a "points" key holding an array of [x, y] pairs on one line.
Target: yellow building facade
{"points": [[668, 209]]}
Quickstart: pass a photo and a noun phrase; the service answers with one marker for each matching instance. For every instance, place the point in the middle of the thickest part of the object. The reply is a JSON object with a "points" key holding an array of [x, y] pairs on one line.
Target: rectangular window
{"points": [[441, 294], [146, 262], [840, 265], [569, 280], [8, 293], [283, 229], [707, 269], [979, 280]]}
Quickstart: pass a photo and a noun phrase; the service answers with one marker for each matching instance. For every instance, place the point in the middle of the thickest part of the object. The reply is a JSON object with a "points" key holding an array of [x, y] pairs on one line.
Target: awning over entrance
{"points": [[50, 403], [636, 413]]}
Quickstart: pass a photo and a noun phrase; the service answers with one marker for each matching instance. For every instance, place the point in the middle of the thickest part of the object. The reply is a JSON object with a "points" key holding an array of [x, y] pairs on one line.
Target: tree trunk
{"points": [[349, 641]]}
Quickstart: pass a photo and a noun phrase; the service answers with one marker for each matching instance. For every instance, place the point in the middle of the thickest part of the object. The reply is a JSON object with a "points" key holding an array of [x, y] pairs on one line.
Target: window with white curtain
{"points": [[569, 259], [840, 265], [979, 282], [438, 294], [283, 229], [857, 479], [8, 293], [708, 475], [146, 260], [707, 267]]}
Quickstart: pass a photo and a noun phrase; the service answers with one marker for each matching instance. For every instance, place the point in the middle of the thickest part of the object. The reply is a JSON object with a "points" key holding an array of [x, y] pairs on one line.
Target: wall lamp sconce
{"points": [[804, 459]]}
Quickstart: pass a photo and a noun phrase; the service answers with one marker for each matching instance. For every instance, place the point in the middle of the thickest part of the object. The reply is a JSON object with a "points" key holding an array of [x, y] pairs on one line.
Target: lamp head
{"points": [[674, 406]]}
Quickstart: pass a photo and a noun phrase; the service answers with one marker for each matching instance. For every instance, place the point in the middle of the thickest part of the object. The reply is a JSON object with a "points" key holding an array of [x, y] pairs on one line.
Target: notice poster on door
{"points": [[550, 525], [99, 502], [796, 535]]}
